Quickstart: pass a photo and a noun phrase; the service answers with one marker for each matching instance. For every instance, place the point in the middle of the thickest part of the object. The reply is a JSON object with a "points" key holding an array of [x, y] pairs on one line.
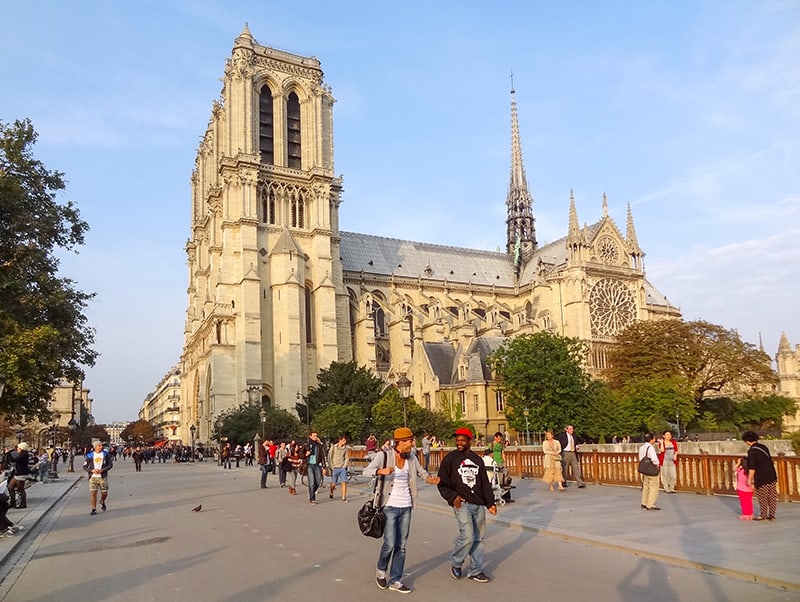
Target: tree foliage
{"points": [[140, 431], [388, 414], [763, 413], [242, 423], [44, 334], [337, 420], [342, 383], [542, 372], [655, 405], [707, 356]]}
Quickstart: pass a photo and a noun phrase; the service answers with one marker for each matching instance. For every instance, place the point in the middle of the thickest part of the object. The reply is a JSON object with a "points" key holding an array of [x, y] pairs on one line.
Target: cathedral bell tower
{"points": [[265, 292]]}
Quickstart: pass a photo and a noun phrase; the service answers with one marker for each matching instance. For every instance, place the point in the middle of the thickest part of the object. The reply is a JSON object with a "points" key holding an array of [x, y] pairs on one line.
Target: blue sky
{"points": [[690, 111]]}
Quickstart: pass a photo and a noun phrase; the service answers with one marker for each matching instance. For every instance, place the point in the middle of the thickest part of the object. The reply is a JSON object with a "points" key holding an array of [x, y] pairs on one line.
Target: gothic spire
{"points": [[519, 203], [574, 225], [784, 346], [633, 241]]}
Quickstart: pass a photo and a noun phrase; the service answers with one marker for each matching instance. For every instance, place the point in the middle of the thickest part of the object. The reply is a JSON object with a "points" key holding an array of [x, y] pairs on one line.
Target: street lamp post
{"points": [[404, 387], [73, 428], [527, 413], [56, 418], [263, 417], [20, 434], [2, 383], [678, 421], [191, 433]]}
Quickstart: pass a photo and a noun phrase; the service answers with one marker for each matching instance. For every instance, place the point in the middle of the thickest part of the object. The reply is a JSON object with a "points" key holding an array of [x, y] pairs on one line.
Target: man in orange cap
{"points": [[398, 469], [464, 484]]}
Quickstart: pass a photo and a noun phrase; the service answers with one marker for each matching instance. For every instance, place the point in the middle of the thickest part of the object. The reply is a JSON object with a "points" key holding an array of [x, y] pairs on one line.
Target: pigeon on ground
{"points": [[197, 508]]}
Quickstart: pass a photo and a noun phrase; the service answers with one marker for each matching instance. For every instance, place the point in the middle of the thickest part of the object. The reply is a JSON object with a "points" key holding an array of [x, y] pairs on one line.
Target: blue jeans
{"points": [[395, 535], [264, 472], [314, 481], [471, 520]]}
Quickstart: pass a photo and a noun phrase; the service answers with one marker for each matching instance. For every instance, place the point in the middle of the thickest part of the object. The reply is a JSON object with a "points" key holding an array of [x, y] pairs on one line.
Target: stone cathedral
{"points": [[277, 291]]}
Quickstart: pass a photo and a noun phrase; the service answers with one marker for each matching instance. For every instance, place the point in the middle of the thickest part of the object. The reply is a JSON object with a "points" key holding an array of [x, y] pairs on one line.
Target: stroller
{"points": [[501, 482]]}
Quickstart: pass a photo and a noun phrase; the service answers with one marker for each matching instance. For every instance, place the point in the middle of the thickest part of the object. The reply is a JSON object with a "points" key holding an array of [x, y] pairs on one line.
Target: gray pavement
{"points": [[41, 498], [692, 531]]}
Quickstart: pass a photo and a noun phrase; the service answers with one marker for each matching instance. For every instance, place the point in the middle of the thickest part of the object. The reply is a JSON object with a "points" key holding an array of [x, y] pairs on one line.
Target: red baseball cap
{"points": [[463, 431]]}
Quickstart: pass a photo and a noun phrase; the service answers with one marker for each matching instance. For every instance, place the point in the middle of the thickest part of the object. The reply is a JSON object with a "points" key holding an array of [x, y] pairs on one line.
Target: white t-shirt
{"points": [[98, 464], [400, 497]]}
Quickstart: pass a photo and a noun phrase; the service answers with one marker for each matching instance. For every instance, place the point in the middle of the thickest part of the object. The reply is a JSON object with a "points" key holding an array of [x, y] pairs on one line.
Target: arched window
{"points": [[266, 127], [267, 206], [293, 132]]}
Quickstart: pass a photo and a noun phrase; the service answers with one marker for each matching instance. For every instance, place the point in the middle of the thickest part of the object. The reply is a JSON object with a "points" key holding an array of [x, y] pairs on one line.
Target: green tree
{"points": [[44, 334], [242, 423], [342, 383], [655, 405], [387, 415], [95, 432], [707, 356], [763, 413], [543, 373], [338, 420]]}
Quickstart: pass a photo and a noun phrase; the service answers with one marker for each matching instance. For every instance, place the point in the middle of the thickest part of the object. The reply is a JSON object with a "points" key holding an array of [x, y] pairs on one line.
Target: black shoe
{"points": [[581, 486], [93, 512], [480, 578], [381, 582], [654, 508], [103, 506], [644, 507], [22, 506], [455, 571]]}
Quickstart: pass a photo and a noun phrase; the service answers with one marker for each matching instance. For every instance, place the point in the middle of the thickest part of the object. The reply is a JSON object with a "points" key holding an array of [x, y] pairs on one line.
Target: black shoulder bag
{"points": [[371, 519]]}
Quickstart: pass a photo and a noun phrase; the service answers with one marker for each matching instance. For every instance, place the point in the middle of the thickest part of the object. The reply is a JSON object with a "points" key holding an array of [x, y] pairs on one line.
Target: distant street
{"points": [[249, 544]]}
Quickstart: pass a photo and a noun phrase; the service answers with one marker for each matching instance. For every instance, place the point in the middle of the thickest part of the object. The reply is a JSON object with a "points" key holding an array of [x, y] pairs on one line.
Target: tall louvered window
{"points": [[293, 131], [309, 315], [266, 127]]}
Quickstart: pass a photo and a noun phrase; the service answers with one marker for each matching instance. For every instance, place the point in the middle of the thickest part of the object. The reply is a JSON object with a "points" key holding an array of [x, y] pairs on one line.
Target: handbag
{"points": [[371, 519], [648, 467]]}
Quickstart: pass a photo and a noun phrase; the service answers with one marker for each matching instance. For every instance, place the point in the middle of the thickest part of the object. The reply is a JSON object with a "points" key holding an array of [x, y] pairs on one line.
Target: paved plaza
{"points": [[280, 547]]}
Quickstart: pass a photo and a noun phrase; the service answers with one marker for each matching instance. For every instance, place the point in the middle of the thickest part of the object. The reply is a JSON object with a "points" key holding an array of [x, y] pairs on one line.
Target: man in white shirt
{"points": [[98, 463], [649, 483], [569, 456]]}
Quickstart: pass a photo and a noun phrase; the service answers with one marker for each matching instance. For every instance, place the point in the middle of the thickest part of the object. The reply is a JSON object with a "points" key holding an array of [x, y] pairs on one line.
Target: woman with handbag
{"points": [[397, 471], [649, 482]]}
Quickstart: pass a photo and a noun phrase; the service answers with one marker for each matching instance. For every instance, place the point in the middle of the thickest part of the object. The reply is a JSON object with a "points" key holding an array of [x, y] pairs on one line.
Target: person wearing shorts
{"points": [[339, 461], [98, 463]]}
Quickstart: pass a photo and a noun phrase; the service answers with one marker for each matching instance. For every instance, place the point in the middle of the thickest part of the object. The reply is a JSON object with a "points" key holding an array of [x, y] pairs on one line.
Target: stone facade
{"points": [[162, 408], [277, 291], [788, 361]]}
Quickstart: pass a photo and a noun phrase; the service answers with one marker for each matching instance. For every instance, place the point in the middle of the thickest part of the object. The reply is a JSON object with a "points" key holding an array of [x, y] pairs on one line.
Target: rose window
{"points": [[611, 307]]}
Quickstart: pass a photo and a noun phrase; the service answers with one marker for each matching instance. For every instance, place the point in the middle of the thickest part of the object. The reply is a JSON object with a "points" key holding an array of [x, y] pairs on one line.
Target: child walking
{"points": [[744, 490]]}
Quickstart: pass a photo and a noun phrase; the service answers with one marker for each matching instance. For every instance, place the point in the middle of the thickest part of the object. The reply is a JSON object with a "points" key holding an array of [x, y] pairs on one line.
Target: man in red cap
{"points": [[398, 469], [464, 484]]}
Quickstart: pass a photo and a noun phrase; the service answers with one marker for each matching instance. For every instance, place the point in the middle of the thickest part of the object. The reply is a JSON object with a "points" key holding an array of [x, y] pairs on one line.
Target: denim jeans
{"points": [[395, 535], [264, 472], [314, 481], [471, 520]]}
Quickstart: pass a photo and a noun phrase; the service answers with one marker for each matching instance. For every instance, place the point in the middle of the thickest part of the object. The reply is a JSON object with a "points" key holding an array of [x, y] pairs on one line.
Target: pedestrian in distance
{"points": [[743, 490], [399, 495], [98, 463], [552, 461], [761, 474], [426, 451], [649, 483], [338, 463], [20, 464], [262, 457], [465, 486]]}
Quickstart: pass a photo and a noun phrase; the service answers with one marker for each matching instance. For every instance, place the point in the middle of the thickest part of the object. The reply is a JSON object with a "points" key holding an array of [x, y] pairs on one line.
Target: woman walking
{"points": [[552, 461], [761, 474]]}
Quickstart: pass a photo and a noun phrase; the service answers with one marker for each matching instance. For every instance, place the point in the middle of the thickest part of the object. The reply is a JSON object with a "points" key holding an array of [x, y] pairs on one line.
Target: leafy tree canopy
{"points": [[388, 414], [342, 383], [763, 413], [44, 334], [337, 420], [707, 356], [656, 405], [542, 372], [140, 431], [241, 424]]}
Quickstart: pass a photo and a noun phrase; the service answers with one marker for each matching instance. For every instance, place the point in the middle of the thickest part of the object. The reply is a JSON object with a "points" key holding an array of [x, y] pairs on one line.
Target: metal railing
{"points": [[706, 474]]}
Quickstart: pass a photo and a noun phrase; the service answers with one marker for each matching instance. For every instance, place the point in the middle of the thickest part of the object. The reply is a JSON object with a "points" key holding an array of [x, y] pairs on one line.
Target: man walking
{"points": [[315, 455], [569, 456], [339, 461], [426, 450], [98, 463], [262, 457], [465, 485]]}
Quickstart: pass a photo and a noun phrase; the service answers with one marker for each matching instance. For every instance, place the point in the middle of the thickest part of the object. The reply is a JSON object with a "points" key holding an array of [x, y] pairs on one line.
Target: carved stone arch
{"points": [[299, 88]]}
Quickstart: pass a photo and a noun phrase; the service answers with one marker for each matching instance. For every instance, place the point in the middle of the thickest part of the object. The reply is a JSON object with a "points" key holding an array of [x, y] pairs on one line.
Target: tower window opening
{"points": [[266, 127], [293, 132]]}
